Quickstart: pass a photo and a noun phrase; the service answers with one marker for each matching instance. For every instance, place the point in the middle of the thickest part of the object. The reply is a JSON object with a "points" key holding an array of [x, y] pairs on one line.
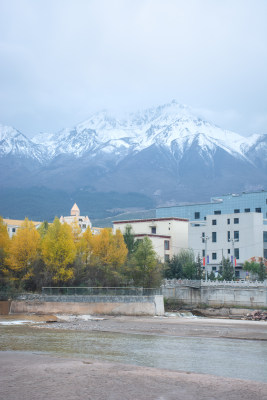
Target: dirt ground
{"points": [[181, 327], [35, 376]]}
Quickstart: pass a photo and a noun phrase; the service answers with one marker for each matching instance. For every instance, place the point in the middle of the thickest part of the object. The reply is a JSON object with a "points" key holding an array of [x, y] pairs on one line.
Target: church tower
{"points": [[75, 211]]}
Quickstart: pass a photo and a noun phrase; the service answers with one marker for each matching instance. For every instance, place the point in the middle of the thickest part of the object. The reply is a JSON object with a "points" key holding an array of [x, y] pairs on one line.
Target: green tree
{"points": [[199, 270], [58, 251], [255, 269], [183, 266], [145, 269], [129, 239], [174, 268], [226, 270], [4, 247], [43, 228]]}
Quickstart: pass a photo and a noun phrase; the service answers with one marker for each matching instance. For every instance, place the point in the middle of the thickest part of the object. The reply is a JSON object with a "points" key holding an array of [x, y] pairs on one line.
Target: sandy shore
{"points": [[34, 376]]}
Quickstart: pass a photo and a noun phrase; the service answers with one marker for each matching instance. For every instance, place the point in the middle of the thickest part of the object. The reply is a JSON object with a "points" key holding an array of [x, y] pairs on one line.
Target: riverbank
{"points": [[172, 326], [36, 376]]}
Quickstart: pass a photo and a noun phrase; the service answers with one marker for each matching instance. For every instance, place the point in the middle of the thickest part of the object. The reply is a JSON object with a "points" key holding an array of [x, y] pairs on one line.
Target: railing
{"points": [[217, 283], [101, 291]]}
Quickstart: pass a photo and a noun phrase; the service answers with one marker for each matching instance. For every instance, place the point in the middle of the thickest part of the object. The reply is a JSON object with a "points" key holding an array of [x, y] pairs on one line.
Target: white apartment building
{"points": [[238, 236], [168, 235]]}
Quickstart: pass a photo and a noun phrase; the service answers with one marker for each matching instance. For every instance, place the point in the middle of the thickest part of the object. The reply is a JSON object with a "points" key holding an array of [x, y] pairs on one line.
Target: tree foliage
{"points": [[184, 266], [4, 248], [58, 251], [23, 250], [60, 255], [226, 270], [256, 269]]}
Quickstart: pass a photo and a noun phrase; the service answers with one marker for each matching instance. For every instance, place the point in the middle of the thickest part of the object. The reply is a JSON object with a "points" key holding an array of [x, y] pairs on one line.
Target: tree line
{"points": [[60, 255]]}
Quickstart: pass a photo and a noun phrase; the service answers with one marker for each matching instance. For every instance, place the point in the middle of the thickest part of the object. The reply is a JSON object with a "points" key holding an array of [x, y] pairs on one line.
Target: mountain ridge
{"points": [[164, 153]]}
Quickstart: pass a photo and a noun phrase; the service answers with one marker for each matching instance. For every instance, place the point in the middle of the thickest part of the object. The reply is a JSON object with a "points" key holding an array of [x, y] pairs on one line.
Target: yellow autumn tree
{"points": [[23, 251], [109, 254], [58, 251], [85, 246], [4, 247]]}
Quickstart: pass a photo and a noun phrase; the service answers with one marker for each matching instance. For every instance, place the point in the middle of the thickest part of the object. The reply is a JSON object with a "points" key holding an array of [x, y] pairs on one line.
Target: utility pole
{"points": [[205, 239]]}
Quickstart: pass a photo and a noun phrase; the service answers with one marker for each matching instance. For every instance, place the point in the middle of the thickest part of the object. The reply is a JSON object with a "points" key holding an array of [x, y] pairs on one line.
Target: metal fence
{"points": [[101, 291], [193, 283]]}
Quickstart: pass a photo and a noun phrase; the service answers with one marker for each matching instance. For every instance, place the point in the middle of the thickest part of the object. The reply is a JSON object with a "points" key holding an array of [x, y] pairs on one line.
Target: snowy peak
{"points": [[172, 126], [14, 143]]}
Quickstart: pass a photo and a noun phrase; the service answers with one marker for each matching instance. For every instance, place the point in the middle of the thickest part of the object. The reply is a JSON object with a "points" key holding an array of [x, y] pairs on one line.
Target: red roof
{"points": [[150, 220]]}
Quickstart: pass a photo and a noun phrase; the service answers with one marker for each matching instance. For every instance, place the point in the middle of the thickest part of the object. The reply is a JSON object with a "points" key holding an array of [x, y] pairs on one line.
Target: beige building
{"points": [[14, 224], [75, 217], [168, 235]]}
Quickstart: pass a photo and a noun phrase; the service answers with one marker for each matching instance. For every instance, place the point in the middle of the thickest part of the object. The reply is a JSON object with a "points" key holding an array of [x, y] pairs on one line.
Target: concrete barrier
{"points": [[4, 307], [214, 296], [109, 305]]}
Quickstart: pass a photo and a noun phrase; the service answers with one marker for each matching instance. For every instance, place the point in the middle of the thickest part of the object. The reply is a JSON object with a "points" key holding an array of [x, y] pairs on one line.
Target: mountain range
{"points": [[161, 156]]}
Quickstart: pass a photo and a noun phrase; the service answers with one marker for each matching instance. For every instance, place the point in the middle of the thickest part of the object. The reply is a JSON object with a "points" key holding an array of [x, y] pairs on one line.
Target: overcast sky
{"points": [[61, 60]]}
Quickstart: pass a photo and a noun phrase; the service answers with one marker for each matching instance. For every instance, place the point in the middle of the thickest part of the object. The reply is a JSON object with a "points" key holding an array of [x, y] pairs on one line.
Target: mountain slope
{"points": [[165, 153]]}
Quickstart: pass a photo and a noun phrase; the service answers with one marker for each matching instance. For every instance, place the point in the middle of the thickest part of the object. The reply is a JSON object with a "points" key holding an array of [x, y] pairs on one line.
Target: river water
{"points": [[245, 359]]}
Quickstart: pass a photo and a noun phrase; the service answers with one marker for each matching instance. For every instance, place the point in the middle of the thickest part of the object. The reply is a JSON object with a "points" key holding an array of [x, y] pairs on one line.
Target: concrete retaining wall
{"points": [[218, 296], [109, 305], [4, 307]]}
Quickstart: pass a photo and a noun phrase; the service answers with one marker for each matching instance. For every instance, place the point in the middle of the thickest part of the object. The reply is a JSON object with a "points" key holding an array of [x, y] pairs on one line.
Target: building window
{"points": [[13, 230], [217, 212], [214, 256], [166, 245], [228, 221], [247, 209], [265, 253], [236, 220], [197, 215], [265, 236], [205, 218], [214, 222], [166, 258], [203, 237], [237, 211], [228, 236], [214, 237], [153, 230], [203, 253], [237, 254], [236, 235], [258, 209], [228, 251]]}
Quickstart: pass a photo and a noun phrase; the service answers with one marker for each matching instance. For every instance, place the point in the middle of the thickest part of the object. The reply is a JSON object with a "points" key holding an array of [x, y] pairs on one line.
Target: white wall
{"points": [[167, 229], [250, 243]]}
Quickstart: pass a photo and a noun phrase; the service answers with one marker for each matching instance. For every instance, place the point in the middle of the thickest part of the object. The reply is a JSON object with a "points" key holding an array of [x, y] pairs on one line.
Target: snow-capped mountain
{"points": [[171, 125], [14, 143], [165, 152]]}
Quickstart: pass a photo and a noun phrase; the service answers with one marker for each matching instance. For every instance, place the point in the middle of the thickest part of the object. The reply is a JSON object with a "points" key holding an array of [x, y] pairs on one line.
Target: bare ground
{"points": [[33, 376], [181, 327]]}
